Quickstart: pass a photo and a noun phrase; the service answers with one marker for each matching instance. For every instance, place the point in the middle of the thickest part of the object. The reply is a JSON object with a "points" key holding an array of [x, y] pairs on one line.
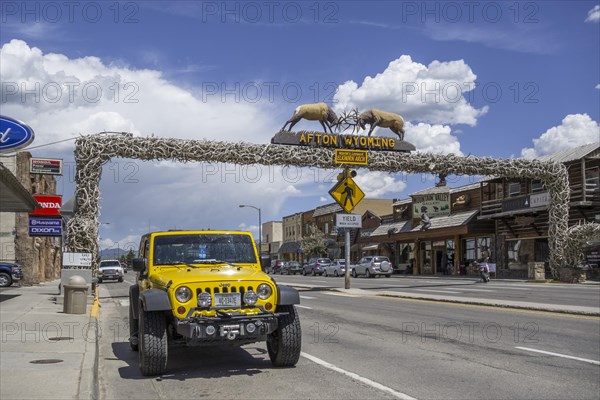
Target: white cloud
{"points": [[594, 14], [575, 130], [377, 184], [432, 138], [598, 86], [324, 199], [61, 97], [432, 93]]}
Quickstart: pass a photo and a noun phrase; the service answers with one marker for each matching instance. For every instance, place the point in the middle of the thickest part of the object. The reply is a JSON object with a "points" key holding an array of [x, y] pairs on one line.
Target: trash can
{"points": [[75, 301]]}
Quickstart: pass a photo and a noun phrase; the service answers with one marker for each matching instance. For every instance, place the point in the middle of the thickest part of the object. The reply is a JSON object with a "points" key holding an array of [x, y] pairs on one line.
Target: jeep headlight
{"points": [[250, 297], [264, 291], [183, 294], [204, 299]]}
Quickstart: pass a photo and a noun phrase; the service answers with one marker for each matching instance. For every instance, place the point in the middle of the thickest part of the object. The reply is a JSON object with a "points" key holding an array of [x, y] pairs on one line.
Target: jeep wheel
{"points": [[303, 272], [120, 279], [325, 274], [368, 273], [354, 274], [5, 279], [152, 343], [284, 344], [133, 330], [335, 273], [313, 273], [388, 275]]}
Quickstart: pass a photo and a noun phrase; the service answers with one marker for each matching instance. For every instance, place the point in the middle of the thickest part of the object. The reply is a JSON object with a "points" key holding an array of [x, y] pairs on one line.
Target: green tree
{"points": [[130, 256], [314, 243]]}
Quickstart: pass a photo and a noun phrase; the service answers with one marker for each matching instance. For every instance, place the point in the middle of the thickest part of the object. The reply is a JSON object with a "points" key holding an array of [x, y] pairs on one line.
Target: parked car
{"points": [[291, 268], [110, 269], [336, 268], [10, 273], [370, 266], [315, 266], [276, 266]]}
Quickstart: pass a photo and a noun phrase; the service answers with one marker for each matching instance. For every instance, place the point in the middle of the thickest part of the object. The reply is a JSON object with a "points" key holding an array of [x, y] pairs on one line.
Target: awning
{"points": [[289, 247], [13, 196]]}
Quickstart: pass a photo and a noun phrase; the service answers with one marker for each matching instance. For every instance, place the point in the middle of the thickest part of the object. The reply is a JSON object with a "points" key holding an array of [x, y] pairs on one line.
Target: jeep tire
{"points": [[285, 343], [152, 342], [354, 274]]}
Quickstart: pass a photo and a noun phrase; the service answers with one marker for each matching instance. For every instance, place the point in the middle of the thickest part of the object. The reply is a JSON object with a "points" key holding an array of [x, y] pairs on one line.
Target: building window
{"points": [[513, 247], [514, 189], [326, 228], [536, 186], [469, 246]]}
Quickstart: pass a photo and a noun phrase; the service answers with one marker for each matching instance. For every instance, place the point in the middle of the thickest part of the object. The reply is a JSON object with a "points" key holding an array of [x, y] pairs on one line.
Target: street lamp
{"points": [[259, 227]]}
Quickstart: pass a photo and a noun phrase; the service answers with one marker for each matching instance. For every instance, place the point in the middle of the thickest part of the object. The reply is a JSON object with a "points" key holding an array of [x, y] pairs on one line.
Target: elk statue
{"points": [[383, 119], [314, 112]]}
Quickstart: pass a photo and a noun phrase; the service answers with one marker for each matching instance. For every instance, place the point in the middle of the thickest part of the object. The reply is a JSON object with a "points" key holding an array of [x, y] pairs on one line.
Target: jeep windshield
{"points": [[203, 249]]}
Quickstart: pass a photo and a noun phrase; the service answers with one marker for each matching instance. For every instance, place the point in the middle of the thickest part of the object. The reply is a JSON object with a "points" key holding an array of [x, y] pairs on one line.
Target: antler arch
{"points": [[91, 152]]}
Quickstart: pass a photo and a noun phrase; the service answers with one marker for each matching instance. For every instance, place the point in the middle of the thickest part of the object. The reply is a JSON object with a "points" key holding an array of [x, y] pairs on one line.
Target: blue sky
{"points": [[501, 79]]}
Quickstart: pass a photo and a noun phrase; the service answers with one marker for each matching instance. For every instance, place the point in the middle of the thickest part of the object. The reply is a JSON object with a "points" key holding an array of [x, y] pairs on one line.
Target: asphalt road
{"points": [[357, 347]]}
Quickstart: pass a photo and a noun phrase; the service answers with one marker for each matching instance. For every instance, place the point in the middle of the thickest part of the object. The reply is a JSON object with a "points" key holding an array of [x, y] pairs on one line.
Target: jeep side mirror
{"points": [[138, 264]]}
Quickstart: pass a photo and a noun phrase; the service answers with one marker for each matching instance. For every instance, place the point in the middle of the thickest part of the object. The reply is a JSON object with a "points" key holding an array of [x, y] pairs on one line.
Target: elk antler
{"points": [[349, 119]]}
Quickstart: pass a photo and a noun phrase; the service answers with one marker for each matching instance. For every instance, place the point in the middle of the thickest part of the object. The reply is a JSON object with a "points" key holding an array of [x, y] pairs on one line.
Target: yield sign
{"points": [[347, 194]]}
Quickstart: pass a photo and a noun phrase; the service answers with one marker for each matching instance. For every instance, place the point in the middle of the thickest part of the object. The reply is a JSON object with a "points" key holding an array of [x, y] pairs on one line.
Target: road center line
{"points": [[357, 377], [560, 355], [307, 297], [308, 308], [473, 290]]}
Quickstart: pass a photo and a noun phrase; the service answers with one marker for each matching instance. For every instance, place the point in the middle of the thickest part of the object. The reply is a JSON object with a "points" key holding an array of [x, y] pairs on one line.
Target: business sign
{"points": [[14, 134], [45, 227], [34, 221], [77, 259], [434, 204], [539, 199], [45, 166], [50, 205], [355, 157], [348, 221]]}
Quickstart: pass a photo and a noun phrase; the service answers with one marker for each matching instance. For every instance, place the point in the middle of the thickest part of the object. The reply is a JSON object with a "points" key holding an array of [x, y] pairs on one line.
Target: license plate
{"points": [[228, 300]]}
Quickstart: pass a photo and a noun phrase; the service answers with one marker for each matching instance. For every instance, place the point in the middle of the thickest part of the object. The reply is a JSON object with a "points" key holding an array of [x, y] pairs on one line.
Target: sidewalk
{"points": [[45, 353]]}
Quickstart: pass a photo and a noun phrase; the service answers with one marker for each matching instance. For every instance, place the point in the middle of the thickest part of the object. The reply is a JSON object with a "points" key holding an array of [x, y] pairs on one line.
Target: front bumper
{"points": [[227, 328], [16, 276]]}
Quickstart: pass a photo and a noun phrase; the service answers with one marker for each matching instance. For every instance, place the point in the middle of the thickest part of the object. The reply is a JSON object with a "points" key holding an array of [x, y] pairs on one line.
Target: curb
{"points": [[470, 302], [496, 305], [88, 385]]}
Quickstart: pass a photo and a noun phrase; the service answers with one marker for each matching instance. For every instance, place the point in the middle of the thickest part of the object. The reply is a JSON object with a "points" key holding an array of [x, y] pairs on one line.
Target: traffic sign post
{"points": [[347, 194]]}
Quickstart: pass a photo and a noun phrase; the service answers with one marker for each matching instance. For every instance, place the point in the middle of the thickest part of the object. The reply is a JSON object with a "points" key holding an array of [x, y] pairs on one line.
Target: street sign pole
{"points": [[347, 245]]}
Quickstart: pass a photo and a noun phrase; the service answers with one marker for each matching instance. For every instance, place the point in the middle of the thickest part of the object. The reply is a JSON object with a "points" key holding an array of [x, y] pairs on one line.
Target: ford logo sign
{"points": [[14, 134]]}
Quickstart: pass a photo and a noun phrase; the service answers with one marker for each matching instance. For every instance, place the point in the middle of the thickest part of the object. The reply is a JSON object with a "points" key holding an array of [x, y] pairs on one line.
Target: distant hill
{"points": [[113, 254]]}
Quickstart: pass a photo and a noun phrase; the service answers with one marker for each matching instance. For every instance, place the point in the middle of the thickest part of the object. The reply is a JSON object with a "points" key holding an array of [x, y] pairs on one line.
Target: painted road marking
{"points": [[357, 377], [560, 355], [473, 290], [307, 297], [308, 308]]}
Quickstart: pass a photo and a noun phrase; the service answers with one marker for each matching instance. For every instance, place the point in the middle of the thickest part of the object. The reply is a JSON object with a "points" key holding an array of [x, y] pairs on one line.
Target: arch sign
{"points": [[91, 152]]}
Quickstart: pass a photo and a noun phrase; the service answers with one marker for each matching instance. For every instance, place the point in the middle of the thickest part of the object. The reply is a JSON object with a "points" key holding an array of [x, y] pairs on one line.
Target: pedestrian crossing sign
{"points": [[347, 193]]}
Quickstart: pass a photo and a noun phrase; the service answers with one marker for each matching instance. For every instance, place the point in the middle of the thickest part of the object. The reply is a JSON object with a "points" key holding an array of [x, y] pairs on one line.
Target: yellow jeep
{"points": [[207, 288]]}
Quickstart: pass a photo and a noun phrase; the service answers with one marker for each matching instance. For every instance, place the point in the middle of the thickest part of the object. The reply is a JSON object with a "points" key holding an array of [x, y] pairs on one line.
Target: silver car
{"points": [[336, 268], [370, 266]]}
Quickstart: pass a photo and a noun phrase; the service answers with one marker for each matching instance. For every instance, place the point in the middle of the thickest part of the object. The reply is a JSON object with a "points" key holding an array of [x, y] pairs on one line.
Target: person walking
{"points": [[484, 270]]}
